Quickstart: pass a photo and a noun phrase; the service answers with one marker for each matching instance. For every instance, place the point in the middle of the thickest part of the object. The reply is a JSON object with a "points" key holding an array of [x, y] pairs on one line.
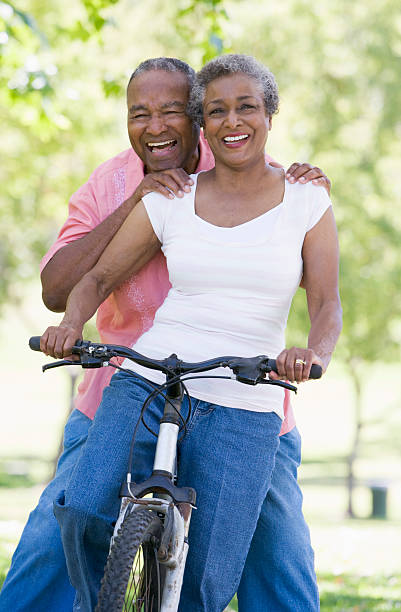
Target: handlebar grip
{"points": [[315, 372], [34, 343]]}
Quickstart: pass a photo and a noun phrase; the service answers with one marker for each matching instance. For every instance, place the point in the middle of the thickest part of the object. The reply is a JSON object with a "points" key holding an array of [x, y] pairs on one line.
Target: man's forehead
{"points": [[158, 87]]}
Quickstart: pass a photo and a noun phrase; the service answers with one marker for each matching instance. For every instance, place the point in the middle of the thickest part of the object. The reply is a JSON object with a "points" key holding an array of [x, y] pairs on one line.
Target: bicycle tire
{"points": [[133, 579]]}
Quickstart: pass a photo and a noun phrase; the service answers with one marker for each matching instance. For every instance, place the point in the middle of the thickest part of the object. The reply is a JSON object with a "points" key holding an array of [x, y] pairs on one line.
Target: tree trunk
{"points": [[353, 455]]}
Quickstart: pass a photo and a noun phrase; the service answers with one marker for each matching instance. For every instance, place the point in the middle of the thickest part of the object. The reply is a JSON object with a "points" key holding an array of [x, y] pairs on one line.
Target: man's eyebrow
{"points": [[137, 107], [173, 103]]}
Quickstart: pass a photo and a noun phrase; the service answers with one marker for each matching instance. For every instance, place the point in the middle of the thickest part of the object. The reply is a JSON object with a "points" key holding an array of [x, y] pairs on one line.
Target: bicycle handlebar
{"points": [[249, 370]]}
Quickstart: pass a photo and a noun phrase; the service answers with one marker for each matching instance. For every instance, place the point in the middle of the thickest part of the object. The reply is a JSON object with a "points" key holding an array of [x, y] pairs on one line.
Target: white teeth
{"points": [[160, 144], [235, 138]]}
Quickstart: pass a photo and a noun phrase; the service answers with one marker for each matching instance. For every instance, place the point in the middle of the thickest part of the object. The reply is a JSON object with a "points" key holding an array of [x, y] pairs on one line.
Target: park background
{"points": [[338, 66]]}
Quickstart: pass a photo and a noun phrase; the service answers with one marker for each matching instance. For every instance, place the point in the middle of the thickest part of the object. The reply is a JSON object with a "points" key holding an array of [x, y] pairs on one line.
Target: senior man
{"points": [[166, 148]]}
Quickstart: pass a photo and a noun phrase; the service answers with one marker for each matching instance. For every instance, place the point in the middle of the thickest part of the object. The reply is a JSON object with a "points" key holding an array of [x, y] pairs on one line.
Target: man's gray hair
{"points": [[225, 65], [168, 64]]}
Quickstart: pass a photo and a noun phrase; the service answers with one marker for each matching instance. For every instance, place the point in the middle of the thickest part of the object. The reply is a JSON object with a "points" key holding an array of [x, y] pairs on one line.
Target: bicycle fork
{"points": [[173, 503]]}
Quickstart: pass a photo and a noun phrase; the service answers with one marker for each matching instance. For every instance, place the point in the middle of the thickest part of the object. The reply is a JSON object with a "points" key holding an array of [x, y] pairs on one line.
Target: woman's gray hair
{"points": [[168, 64], [226, 65]]}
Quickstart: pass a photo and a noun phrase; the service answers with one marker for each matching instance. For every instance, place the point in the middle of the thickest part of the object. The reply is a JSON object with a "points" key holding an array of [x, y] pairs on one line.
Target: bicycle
{"points": [[149, 546]]}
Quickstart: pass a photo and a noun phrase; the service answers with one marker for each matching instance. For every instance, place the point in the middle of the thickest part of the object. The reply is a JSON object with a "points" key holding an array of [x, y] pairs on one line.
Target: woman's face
{"points": [[235, 120]]}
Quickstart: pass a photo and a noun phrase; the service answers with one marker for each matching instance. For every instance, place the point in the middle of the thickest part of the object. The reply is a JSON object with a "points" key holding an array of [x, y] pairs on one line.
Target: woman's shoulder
{"points": [[306, 194], [306, 203]]}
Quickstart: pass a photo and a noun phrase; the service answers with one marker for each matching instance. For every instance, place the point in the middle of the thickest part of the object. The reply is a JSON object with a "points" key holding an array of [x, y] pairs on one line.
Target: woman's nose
{"points": [[232, 118]]}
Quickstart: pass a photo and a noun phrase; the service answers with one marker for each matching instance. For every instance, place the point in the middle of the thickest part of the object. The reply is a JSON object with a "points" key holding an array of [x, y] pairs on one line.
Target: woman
{"points": [[236, 246]]}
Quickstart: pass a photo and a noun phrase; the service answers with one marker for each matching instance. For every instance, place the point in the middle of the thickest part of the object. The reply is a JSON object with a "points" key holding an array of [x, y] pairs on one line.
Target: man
{"points": [[166, 147]]}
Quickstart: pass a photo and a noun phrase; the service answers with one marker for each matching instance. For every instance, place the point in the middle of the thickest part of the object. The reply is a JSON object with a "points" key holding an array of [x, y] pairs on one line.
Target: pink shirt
{"points": [[129, 311]]}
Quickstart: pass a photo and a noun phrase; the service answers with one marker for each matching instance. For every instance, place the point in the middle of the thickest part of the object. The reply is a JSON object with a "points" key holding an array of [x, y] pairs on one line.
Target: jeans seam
{"points": [[194, 414]]}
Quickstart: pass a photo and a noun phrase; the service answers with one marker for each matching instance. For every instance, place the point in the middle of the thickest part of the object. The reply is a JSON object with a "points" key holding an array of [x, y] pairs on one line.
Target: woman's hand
{"points": [[294, 364], [58, 341]]}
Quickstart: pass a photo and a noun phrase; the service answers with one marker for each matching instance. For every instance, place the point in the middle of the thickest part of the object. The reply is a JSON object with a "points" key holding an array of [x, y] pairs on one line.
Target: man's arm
{"points": [[66, 268], [133, 246]]}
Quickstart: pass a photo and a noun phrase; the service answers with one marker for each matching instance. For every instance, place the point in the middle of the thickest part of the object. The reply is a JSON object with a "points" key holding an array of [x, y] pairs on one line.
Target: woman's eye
{"points": [[216, 111], [246, 107]]}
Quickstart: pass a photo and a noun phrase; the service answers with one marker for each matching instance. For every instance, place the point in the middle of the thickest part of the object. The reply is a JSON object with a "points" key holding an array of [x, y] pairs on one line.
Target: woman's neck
{"points": [[238, 179]]}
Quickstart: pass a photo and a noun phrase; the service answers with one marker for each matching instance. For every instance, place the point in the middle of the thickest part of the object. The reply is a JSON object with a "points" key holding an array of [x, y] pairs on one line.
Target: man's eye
{"points": [[139, 116]]}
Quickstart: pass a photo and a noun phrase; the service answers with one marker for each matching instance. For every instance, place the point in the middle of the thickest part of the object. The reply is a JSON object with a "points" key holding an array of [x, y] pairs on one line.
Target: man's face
{"points": [[159, 129]]}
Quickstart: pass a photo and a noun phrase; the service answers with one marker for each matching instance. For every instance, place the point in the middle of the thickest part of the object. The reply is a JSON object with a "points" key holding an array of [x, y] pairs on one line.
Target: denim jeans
{"points": [[37, 580], [227, 455], [278, 575]]}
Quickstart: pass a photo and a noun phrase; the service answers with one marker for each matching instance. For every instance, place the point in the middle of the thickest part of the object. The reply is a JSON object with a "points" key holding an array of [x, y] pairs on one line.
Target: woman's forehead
{"points": [[237, 84]]}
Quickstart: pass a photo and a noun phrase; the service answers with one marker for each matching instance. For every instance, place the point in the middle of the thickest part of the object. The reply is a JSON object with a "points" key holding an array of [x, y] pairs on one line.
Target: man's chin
{"points": [[156, 163]]}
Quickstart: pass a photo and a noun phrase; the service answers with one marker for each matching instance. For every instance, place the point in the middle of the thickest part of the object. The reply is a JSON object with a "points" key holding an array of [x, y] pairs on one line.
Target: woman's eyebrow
{"points": [[221, 101]]}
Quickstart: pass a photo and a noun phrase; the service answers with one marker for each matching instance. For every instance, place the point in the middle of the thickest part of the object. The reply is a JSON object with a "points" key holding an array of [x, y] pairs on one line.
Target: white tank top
{"points": [[231, 289]]}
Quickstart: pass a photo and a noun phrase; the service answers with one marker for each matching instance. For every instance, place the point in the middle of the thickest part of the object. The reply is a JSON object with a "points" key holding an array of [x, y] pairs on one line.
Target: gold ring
{"points": [[300, 362]]}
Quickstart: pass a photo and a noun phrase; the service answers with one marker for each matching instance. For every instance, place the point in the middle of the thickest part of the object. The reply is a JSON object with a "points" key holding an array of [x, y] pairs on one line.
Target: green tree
{"points": [[339, 69]]}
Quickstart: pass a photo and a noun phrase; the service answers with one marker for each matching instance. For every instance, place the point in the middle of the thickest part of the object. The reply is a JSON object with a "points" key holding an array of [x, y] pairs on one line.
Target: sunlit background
{"points": [[338, 65]]}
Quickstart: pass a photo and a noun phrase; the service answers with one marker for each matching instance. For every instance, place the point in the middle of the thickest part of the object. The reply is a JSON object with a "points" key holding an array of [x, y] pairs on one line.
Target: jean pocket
{"points": [[204, 408]]}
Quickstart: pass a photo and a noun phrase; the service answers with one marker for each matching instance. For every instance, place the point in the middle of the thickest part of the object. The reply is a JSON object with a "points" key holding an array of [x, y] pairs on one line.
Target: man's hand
{"points": [[169, 183], [58, 341], [305, 173]]}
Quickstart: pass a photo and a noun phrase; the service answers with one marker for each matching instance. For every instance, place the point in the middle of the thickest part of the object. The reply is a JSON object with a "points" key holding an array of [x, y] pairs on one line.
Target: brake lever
{"points": [[85, 361], [279, 383], [58, 364]]}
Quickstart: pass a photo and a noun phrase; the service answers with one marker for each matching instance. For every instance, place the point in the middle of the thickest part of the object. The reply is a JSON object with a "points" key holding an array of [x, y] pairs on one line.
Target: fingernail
{"points": [[302, 179], [171, 196], [291, 179], [180, 193], [190, 182], [187, 188]]}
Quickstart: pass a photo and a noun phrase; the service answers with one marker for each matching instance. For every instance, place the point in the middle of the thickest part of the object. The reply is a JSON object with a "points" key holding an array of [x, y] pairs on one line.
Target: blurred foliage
{"points": [[63, 75]]}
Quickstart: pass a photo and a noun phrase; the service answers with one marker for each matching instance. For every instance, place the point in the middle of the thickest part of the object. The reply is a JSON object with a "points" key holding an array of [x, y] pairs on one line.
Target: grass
{"points": [[358, 561]]}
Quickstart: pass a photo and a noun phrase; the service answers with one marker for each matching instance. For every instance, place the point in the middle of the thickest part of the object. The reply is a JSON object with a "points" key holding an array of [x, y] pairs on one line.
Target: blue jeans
{"points": [[37, 580], [278, 574]]}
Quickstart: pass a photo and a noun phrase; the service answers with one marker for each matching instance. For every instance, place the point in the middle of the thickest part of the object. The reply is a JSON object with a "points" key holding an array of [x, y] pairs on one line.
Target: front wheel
{"points": [[133, 578]]}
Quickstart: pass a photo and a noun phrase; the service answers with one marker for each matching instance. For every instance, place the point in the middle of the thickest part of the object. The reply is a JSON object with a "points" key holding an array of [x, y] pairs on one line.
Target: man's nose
{"points": [[156, 125]]}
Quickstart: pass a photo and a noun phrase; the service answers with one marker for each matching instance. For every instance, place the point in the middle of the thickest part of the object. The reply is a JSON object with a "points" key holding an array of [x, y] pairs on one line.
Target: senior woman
{"points": [[237, 247]]}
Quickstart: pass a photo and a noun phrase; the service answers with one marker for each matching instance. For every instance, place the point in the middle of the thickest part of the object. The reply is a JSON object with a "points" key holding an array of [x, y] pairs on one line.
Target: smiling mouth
{"points": [[165, 145], [230, 139]]}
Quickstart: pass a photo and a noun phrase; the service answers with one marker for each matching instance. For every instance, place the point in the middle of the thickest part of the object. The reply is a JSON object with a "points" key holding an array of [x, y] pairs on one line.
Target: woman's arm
{"points": [[320, 280], [132, 247]]}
